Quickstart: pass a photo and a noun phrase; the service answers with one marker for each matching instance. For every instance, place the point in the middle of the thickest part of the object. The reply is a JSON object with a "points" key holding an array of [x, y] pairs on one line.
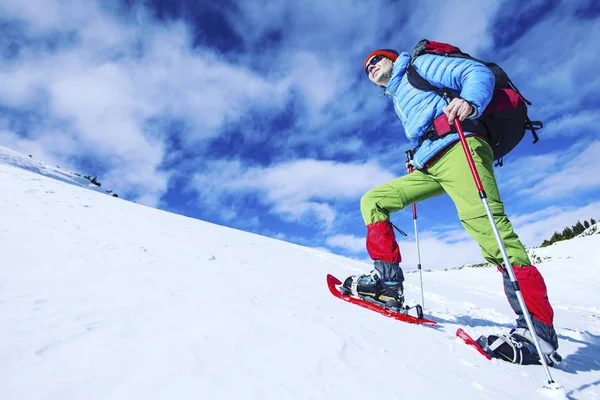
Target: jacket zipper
{"points": [[396, 105]]}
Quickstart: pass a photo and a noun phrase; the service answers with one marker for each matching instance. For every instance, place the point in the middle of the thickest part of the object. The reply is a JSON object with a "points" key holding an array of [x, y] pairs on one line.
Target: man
{"points": [[440, 167]]}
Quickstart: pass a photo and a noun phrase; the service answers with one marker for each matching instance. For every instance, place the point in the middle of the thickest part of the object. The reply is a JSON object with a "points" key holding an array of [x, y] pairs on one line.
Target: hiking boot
{"points": [[518, 348], [389, 275], [524, 335], [394, 295], [391, 294]]}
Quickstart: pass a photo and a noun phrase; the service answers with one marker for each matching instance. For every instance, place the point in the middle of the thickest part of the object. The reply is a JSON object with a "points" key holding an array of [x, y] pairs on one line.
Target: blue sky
{"points": [[257, 114]]}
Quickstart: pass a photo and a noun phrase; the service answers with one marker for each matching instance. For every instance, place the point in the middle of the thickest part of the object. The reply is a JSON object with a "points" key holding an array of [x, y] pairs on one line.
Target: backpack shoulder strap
{"points": [[418, 82]]}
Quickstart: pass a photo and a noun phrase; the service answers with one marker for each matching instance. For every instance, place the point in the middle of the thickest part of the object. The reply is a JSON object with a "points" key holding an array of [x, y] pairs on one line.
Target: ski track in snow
{"points": [[106, 299]]}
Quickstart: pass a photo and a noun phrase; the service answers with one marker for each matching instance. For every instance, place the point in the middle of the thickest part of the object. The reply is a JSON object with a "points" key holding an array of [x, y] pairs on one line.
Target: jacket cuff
{"points": [[474, 112]]}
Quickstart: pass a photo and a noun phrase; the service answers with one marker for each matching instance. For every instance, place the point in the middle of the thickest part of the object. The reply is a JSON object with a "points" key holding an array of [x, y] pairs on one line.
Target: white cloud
{"points": [[565, 173], [314, 179], [294, 211], [26, 146], [51, 15], [316, 80], [576, 176], [572, 124], [294, 188], [561, 72], [437, 252], [350, 243], [465, 23]]}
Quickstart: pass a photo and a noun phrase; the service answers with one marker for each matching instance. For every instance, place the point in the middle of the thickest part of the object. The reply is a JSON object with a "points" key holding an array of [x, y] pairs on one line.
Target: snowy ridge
{"points": [[10, 157], [105, 299]]}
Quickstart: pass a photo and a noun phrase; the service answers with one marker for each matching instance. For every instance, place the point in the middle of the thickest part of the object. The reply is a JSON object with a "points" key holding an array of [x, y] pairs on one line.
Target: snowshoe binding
{"points": [[518, 348], [389, 295]]}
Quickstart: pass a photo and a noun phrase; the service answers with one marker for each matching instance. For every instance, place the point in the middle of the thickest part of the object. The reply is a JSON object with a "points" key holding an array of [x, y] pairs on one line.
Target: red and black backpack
{"points": [[503, 122]]}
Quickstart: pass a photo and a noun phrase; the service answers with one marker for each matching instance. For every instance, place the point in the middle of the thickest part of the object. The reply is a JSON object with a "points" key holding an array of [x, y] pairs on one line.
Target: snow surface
{"points": [[101, 298]]}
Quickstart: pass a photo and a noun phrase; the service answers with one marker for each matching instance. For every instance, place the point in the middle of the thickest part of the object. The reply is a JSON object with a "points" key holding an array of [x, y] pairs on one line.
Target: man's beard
{"points": [[384, 79]]}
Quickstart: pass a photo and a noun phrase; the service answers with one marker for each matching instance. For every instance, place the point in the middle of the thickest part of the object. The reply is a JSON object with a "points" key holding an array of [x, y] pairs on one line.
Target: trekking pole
{"points": [[552, 385], [409, 155]]}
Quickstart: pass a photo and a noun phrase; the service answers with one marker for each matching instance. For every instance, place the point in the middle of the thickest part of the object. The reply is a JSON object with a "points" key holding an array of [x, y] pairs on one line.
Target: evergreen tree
{"points": [[578, 228], [592, 221], [567, 234], [586, 224], [556, 237]]}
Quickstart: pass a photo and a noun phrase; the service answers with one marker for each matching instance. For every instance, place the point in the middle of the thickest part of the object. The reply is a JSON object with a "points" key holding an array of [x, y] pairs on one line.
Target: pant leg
{"points": [[454, 175], [397, 194], [377, 204], [480, 229]]}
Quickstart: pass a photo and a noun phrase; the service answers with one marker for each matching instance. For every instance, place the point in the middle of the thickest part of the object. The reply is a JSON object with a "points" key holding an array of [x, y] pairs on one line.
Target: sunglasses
{"points": [[373, 61]]}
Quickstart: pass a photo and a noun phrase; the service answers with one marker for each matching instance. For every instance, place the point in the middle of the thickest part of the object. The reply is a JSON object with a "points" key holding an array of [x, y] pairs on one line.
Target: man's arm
{"points": [[473, 80]]}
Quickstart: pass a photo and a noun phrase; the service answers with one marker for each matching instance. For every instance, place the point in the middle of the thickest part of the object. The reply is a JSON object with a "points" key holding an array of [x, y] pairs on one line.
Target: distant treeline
{"points": [[569, 232]]}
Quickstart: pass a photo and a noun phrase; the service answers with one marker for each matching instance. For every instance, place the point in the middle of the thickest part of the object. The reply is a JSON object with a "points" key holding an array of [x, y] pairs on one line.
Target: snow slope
{"points": [[101, 298]]}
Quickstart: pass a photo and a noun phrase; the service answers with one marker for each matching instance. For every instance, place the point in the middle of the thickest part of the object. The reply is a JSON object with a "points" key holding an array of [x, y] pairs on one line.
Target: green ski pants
{"points": [[450, 174]]}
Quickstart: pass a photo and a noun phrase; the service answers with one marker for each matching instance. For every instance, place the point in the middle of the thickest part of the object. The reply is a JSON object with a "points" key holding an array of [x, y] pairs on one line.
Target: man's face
{"points": [[381, 72]]}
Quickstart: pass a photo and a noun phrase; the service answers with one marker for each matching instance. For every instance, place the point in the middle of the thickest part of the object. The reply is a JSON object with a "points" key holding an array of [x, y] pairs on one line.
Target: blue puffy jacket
{"points": [[417, 109]]}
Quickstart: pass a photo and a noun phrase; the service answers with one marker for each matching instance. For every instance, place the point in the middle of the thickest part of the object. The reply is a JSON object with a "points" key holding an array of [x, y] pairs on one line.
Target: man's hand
{"points": [[458, 108]]}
